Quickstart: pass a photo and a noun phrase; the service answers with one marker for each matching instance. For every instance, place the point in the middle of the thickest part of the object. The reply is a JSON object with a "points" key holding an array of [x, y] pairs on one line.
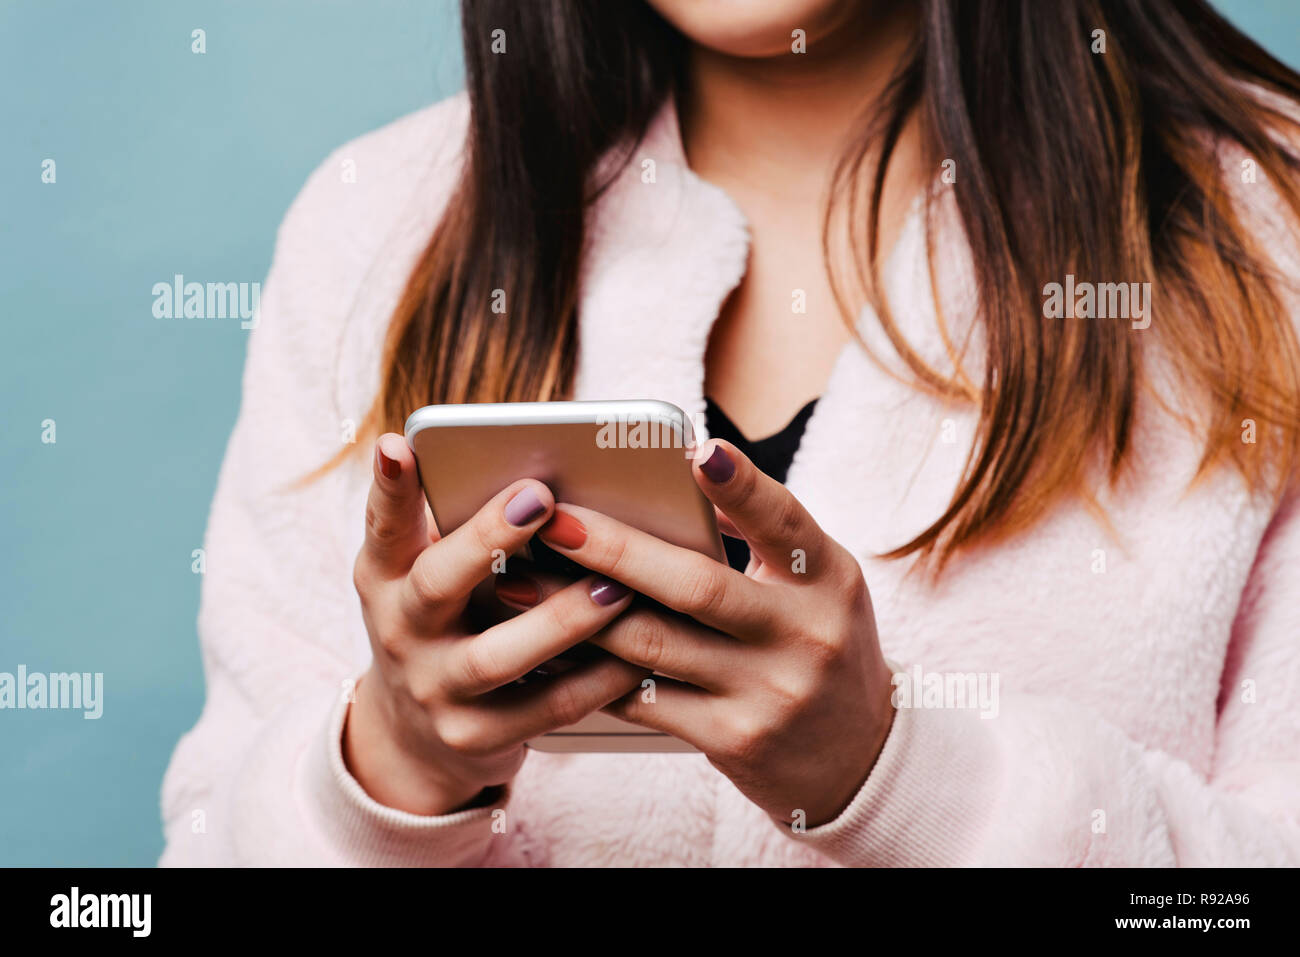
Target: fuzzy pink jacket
{"points": [[1149, 674]]}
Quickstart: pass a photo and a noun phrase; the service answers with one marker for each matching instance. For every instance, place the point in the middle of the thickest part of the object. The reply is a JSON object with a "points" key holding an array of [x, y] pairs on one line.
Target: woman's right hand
{"points": [[438, 717]]}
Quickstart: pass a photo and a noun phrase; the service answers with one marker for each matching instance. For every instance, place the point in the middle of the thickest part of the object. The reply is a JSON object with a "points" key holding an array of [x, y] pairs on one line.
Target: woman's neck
{"points": [[783, 122]]}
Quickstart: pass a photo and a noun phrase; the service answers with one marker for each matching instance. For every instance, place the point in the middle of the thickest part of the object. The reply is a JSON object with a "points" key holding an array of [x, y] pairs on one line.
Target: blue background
{"points": [[167, 162]]}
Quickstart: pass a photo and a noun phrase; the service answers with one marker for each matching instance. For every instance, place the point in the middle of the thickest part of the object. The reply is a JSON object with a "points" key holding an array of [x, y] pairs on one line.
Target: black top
{"points": [[772, 455]]}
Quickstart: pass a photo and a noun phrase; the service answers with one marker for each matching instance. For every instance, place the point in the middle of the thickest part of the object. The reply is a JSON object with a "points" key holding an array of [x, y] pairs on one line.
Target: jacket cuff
{"points": [[927, 800], [365, 833]]}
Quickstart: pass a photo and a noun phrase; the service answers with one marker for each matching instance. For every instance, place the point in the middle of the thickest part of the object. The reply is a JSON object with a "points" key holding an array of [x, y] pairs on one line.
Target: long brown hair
{"points": [[1071, 161]]}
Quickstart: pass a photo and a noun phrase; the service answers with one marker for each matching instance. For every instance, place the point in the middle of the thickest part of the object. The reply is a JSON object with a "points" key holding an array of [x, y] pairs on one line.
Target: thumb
{"points": [[396, 527]]}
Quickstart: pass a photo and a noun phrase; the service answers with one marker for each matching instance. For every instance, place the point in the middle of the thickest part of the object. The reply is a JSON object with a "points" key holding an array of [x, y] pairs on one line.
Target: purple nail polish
{"points": [[718, 468], [524, 508], [606, 592]]}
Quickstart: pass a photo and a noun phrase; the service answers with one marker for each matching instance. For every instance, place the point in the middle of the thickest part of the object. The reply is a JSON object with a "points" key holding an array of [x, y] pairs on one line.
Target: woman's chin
{"points": [[752, 29]]}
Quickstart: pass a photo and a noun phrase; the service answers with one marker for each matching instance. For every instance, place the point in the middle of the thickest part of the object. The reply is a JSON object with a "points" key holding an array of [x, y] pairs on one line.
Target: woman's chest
{"points": [[776, 338]]}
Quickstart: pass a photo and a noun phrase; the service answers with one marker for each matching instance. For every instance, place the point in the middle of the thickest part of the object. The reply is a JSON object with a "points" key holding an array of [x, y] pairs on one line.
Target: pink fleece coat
{"points": [[1149, 674]]}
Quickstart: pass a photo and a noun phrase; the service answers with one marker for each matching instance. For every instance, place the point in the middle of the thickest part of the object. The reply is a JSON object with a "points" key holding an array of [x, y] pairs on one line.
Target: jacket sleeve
{"points": [[1051, 783], [260, 780]]}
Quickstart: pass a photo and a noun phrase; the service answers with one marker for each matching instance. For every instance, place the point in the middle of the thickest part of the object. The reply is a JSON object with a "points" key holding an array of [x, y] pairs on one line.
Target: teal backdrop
{"points": [[166, 161]]}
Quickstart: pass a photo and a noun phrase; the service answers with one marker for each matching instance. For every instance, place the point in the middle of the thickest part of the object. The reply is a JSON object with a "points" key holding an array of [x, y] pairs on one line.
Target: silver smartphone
{"points": [[629, 459]]}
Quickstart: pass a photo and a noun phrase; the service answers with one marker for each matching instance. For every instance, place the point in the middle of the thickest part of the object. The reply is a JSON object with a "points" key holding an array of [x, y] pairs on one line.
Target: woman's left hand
{"points": [[776, 674]]}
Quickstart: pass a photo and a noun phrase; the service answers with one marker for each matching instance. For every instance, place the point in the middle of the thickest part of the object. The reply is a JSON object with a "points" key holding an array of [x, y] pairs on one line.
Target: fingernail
{"points": [[390, 467], [518, 590], [718, 468], [524, 507], [564, 530], [605, 591]]}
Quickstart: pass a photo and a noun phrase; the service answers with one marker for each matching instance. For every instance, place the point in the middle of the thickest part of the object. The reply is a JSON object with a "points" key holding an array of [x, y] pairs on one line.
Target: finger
{"points": [[430, 522], [676, 647], [442, 577], [500, 597], [510, 650], [521, 588], [396, 526], [523, 712], [724, 524], [682, 579], [684, 711], [777, 527]]}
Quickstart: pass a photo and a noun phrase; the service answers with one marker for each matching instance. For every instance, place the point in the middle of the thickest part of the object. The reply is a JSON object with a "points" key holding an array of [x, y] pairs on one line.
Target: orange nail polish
{"points": [[565, 531]]}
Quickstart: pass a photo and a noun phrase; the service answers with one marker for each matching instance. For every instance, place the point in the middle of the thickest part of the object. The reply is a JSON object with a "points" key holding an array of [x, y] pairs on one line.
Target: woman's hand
{"points": [[777, 674], [438, 717]]}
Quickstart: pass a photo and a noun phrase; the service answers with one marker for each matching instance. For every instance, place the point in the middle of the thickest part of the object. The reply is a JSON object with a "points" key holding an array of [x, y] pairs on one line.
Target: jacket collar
{"points": [[665, 250]]}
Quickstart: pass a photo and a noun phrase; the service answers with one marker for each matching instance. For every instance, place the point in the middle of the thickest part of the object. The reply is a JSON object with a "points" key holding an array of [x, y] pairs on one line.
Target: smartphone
{"points": [[629, 459]]}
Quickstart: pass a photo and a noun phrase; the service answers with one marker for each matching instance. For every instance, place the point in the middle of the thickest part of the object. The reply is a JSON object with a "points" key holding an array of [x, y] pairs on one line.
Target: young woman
{"points": [[1016, 279]]}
